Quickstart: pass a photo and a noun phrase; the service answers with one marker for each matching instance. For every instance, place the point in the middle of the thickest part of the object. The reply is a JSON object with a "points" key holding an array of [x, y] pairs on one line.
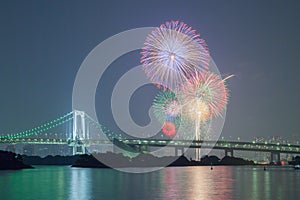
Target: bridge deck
{"points": [[234, 145]]}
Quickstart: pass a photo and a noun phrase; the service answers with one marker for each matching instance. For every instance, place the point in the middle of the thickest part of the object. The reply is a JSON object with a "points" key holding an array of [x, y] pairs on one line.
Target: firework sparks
{"points": [[166, 106], [207, 88], [228, 77], [196, 108], [173, 53]]}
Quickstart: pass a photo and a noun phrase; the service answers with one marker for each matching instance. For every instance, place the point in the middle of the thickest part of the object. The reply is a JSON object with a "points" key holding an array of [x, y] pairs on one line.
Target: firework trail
{"points": [[204, 96], [173, 53]]}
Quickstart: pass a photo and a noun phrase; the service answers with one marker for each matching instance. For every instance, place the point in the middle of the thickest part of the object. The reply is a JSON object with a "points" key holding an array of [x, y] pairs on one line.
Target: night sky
{"points": [[43, 43]]}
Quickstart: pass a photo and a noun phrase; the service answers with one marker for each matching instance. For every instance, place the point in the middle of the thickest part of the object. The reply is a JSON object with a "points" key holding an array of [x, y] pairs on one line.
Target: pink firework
{"points": [[173, 53], [209, 89]]}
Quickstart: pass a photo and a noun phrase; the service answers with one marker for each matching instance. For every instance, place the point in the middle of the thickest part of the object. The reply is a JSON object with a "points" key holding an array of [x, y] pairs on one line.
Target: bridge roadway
{"points": [[230, 145], [223, 145]]}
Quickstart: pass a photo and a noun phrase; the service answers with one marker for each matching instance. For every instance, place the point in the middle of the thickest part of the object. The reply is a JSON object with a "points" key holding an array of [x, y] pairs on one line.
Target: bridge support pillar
{"points": [[142, 148], [275, 157], [78, 150], [145, 148], [179, 149], [229, 151]]}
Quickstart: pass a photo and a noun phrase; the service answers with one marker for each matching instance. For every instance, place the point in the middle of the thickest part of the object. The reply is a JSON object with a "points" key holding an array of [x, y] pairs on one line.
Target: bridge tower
{"points": [[80, 132]]}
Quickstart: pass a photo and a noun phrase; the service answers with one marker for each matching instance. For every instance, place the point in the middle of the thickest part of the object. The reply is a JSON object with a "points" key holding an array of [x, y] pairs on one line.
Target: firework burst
{"points": [[169, 129], [166, 107], [206, 89], [173, 53]]}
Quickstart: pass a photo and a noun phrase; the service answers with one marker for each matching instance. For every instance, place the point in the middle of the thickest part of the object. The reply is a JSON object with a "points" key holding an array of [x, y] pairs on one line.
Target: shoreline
{"points": [[113, 160]]}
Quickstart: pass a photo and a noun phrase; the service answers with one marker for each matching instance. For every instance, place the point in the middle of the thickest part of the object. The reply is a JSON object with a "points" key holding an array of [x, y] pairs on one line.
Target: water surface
{"points": [[63, 182]]}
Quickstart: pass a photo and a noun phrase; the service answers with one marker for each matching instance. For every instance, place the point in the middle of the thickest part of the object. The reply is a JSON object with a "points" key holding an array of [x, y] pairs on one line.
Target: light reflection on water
{"points": [[57, 182]]}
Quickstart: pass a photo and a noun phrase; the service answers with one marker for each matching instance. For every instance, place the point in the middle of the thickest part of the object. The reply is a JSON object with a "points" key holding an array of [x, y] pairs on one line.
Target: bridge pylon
{"points": [[80, 132]]}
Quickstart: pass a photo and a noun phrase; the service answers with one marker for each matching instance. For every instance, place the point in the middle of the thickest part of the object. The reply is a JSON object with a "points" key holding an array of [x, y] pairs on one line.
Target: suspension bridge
{"points": [[74, 129]]}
